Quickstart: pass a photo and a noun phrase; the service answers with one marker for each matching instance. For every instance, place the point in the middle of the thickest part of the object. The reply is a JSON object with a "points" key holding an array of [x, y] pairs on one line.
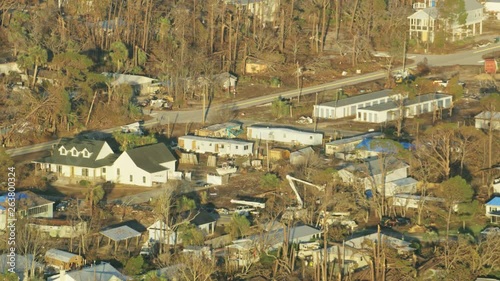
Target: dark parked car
{"points": [[394, 221]]}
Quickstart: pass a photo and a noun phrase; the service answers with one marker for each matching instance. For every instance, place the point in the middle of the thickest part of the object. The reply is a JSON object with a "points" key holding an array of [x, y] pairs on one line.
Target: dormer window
{"points": [[86, 153], [74, 152], [63, 151]]}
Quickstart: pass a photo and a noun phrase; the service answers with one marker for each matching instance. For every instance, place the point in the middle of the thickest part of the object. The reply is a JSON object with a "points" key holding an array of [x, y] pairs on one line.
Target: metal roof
{"points": [[355, 138], [486, 115], [391, 105], [494, 202], [405, 181], [120, 233], [59, 255], [225, 141], [272, 128], [100, 272], [359, 99]]}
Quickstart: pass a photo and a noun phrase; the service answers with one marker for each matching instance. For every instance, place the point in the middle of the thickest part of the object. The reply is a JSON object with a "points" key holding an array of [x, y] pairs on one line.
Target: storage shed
{"points": [[63, 260]]}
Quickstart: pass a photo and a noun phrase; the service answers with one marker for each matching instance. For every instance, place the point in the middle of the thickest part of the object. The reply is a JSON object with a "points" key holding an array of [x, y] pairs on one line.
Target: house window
{"points": [[74, 152], [37, 210], [118, 171], [131, 178], [310, 137], [85, 172], [284, 136], [63, 151], [143, 179], [236, 147], [86, 154], [221, 146], [103, 170], [245, 147]]}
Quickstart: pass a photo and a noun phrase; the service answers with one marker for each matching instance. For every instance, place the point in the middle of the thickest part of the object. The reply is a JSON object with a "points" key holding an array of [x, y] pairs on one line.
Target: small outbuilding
{"points": [[63, 260], [486, 119]]}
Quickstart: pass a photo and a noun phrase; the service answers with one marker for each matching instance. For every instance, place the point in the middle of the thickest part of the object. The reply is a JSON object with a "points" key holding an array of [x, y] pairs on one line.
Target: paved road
{"points": [[470, 57]]}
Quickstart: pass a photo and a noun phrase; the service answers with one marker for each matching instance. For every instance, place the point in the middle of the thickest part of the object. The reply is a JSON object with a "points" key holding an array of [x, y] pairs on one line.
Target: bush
{"points": [[134, 265], [270, 180]]}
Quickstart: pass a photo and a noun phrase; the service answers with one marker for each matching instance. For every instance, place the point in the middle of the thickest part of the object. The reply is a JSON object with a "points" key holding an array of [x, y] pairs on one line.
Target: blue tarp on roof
{"points": [[368, 144], [18, 197]]}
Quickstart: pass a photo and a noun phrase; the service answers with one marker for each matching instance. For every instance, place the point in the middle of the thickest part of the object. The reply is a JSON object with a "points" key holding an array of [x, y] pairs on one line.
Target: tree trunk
{"points": [[35, 72]]}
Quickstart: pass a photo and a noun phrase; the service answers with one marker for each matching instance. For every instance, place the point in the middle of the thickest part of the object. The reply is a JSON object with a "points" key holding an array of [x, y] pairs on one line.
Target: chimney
{"points": [[62, 275]]}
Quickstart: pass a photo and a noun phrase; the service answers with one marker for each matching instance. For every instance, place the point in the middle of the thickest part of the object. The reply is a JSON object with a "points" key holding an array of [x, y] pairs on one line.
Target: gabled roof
{"points": [[425, 14], [124, 230], [359, 98], [59, 255], [356, 138], [391, 105], [373, 167], [26, 200], [128, 79], [100, 272], [150, 157], [486, 115], [202, 218], [23, 264], [494, 202], [472, 5], [92, 146]]}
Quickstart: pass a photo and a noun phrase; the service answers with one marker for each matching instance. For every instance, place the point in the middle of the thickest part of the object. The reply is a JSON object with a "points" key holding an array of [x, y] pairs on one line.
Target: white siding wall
{"points": [[105, 151], [218, 146], [285, 136], [128, 168], [331, 112]]}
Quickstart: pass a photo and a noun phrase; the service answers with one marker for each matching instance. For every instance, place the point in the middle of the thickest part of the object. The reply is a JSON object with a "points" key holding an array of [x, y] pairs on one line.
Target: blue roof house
{"points": [[493, 209]]}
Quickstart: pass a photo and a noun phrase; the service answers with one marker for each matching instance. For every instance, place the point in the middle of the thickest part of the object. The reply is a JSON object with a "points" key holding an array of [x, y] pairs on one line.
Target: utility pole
{"points": [[299, 88], [203, 111], [316, 115], [404, 55], [168, 126], [267, 154]]}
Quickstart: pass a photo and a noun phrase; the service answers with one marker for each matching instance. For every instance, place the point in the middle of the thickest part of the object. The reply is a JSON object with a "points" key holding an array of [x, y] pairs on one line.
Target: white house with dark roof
{"points": [[94, 160], [425, 22], [285, 135], [144, 166], [230, 147], [159, 232], [204, 222], [349, 106], [486, 118], [390, 111], [79, 158]]}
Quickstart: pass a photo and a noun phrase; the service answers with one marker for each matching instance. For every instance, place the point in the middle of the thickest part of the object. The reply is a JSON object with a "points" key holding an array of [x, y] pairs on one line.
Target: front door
{"points": [[72, 171]]}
